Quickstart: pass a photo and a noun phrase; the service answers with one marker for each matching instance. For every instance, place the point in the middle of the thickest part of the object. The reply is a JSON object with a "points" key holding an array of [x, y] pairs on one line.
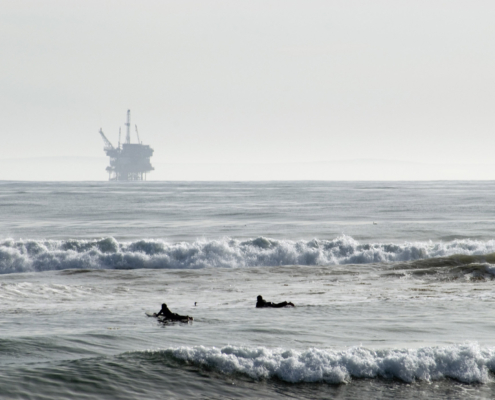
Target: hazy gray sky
{"points": [[250, 82]]}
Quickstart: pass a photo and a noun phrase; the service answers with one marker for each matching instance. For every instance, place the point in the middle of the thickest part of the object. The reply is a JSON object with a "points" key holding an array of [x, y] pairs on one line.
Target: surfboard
{"points": [[162, 319]]}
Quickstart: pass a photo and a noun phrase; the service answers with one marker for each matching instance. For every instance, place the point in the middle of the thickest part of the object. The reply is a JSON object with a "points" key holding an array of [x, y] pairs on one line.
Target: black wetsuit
{"points": [[170, 315], [263, 303]]}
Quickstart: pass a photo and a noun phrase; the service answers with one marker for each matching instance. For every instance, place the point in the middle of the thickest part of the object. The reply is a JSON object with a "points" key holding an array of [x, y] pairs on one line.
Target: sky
{"points": [[249, 90]]}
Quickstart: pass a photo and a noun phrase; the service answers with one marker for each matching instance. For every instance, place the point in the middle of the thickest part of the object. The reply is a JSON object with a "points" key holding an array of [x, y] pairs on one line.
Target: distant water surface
{"points": [[393, 283]]}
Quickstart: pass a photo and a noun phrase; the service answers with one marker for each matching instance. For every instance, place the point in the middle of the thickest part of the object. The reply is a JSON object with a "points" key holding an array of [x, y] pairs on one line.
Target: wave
{"points": [[108, 253], [467, 363]]}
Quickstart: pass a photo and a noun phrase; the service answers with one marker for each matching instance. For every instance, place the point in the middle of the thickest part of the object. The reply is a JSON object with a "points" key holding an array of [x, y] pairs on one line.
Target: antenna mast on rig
{"points": [[128, 125]]}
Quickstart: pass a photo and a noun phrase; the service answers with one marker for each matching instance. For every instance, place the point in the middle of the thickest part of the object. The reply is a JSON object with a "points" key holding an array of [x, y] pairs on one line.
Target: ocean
{"points": [[393, 284]]}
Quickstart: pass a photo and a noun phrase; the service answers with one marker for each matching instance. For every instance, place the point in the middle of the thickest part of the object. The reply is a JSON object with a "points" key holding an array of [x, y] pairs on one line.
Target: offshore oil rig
{"points": [[129, 161]]}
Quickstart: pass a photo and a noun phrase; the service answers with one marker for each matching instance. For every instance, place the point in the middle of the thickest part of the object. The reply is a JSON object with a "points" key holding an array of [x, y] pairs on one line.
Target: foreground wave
{"points": [[108, 253], [467, 363]]}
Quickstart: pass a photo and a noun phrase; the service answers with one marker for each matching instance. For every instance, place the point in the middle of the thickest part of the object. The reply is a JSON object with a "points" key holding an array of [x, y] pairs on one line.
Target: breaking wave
{"points": [[108, 253], [468, 363]]}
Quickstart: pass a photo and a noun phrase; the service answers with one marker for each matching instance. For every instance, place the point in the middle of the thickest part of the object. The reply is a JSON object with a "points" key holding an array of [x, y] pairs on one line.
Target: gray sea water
{"points": [[392, 281]]}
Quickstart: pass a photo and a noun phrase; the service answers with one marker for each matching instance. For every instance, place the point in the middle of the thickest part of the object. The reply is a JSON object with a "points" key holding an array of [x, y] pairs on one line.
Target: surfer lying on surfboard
{"points": [[169, 315], [263, 303]]}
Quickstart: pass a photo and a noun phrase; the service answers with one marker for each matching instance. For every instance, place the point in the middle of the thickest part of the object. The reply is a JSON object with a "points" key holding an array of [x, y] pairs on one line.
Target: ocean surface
{"points": [[393, 284]]}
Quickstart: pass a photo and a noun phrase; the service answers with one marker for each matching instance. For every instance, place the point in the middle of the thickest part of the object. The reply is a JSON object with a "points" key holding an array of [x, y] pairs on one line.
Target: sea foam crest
{"points": [[466, 363], [108, 253]]}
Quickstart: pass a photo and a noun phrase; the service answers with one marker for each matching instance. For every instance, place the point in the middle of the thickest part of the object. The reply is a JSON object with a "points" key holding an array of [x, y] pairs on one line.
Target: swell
{"points": [[108, 253], [458, 266], [143, 374]]}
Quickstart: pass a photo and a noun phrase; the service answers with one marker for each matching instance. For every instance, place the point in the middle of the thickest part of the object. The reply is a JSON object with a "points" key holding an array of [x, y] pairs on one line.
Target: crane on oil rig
{"points": [[129, 161], [108, 144]]}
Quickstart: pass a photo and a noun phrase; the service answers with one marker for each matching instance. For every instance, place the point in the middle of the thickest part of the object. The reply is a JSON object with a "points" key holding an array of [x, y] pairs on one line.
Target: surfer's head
{"points": [[164, 306], [259, 298]]}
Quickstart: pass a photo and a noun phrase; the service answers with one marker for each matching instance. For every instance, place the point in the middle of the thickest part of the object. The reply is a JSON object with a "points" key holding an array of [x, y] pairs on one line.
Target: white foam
{"points": [[31, 255], [39, 292], [466, 363]]}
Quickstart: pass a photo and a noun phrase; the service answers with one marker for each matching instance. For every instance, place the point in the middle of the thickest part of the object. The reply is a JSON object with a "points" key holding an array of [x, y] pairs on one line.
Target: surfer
{"points": [[260, 303], [169, 315]]}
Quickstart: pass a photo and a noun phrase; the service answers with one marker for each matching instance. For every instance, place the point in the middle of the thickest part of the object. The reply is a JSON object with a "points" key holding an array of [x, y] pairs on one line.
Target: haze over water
{"points": [[392, 281]]}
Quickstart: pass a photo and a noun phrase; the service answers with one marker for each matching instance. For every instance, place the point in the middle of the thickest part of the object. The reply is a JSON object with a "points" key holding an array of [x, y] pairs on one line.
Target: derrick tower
{"points": [[129, 161]]}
